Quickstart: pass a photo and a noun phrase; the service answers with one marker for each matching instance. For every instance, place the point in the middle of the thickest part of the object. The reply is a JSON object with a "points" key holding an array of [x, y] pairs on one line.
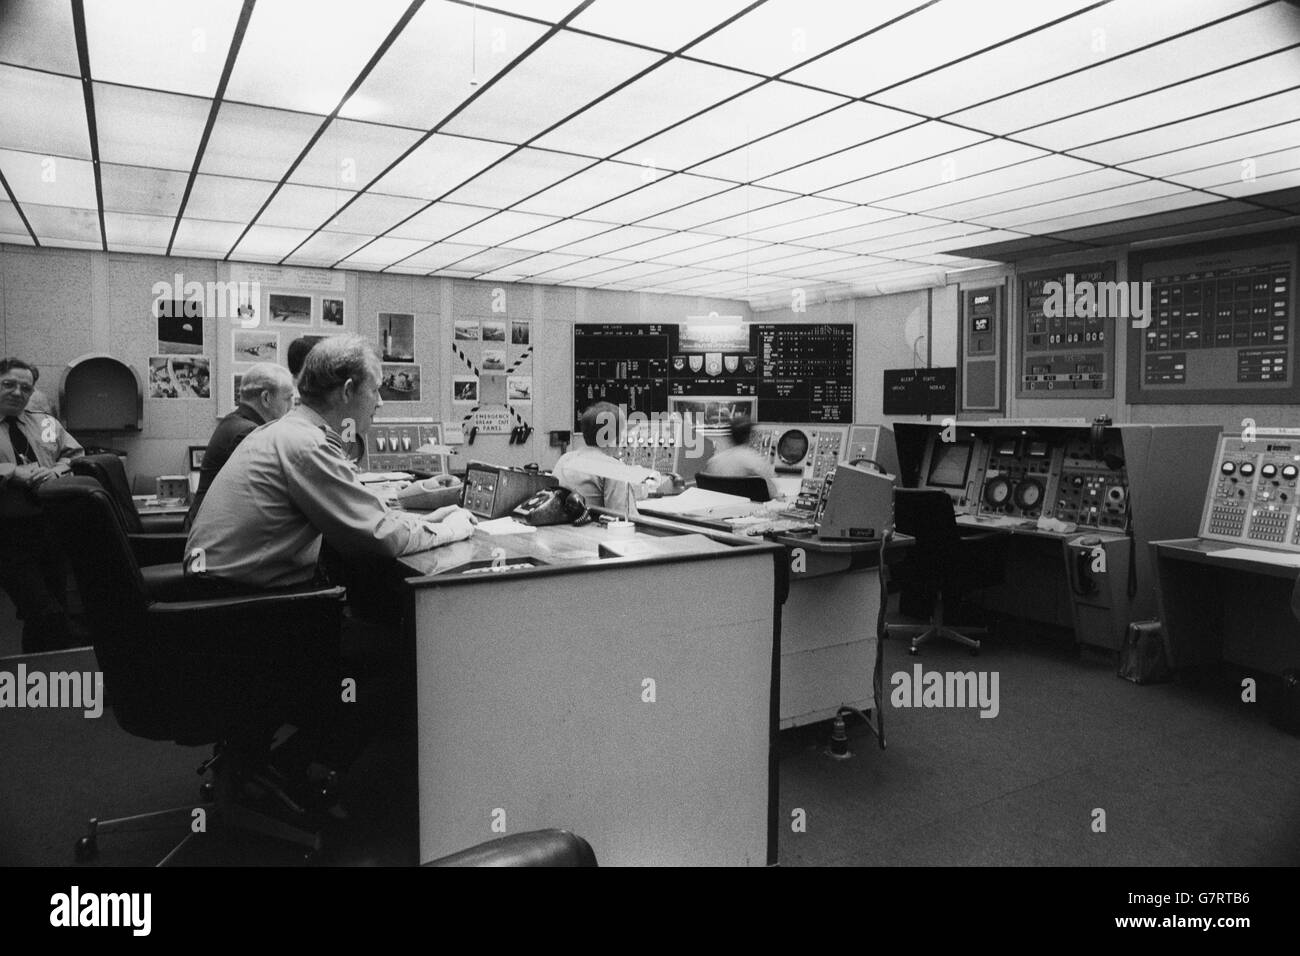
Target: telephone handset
{"points": [[554, 506]]}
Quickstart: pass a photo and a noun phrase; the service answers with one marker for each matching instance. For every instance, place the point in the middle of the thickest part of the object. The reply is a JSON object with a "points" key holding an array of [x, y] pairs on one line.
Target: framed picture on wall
{"points": [[400, 383], [196, 456], [289, 309], [331, 312]]}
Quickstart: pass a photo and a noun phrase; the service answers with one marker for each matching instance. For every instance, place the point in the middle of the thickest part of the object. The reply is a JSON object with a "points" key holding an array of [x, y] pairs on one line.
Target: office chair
{"points": [[751, 487], [155, 539], [196, 669], [941, 565], [553, 848]]}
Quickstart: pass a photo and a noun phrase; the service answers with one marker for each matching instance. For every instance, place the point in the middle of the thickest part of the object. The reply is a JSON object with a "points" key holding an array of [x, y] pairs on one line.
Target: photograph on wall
{"points": [[236, 381], [180, 328], [256, 346], [400, 383], [331, 312], [464, 388], [289, 309], [176, 377], [519, 388], [494, 360], [397, 336], [520, 333], [494, 331], [467, 330]]}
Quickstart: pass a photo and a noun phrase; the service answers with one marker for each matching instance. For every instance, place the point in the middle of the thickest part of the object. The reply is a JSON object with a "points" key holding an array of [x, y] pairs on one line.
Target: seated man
{"points": [[298, 350], [600, 432], [34, 448], [288, 485], [735, 459], [265, 394]]}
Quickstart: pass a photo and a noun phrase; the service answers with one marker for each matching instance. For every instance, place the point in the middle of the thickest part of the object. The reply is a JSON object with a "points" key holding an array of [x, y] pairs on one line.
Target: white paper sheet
{"points": [[506, 525]]}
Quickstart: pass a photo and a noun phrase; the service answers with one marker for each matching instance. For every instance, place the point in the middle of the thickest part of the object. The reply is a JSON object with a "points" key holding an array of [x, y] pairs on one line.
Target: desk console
{"points": [[1252, 497]]}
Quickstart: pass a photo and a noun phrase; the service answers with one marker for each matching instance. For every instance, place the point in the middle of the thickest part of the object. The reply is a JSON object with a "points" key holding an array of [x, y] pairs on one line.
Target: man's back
{"points": [[230, 431], [741, 461]]}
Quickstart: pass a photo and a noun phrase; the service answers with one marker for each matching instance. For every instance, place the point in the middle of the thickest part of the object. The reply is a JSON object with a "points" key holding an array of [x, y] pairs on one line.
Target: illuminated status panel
{"points": [[805, 373], [1222, 329], [1070, 353], [1253, 497]]}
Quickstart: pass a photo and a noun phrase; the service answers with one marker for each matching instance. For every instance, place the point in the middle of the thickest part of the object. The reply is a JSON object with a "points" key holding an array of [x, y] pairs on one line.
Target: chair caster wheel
{"points": [[207, 792], [85, 850], [914, 651]]}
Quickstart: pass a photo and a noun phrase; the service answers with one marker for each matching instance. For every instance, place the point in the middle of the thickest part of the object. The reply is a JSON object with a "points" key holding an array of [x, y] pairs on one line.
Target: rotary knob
{"points": [[1228, 468], [1268, 471], [1289, 472], [1247, 469]]}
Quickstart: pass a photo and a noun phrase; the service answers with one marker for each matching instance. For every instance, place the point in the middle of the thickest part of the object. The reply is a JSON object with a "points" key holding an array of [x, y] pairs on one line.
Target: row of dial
{"points": [[1246, 469]]}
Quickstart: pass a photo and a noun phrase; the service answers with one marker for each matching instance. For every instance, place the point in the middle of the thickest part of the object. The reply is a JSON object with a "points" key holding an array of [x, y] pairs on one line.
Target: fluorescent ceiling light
{"points": [[382, 252], [656, 198], [327, 248], [42, 113], [349, 155], [1018, 178], [790, 210], [226, 199], [666, 25], [560, 234], [439, 221], [49, 180], [439, 165], [950, 167], [606, 243], [986, 209], [137, 189], [600, 183], [39, 34], [268, 243], [501, 228], [58, 223], [197, 237], [255, 143], [161, 44], [303, 207], [372, 214], [518, 176], [135, 233], [732, 202], [1233, 149]]}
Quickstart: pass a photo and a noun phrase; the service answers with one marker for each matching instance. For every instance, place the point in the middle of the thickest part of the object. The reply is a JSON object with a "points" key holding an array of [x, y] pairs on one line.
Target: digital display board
{"points": [[1067, 332]]}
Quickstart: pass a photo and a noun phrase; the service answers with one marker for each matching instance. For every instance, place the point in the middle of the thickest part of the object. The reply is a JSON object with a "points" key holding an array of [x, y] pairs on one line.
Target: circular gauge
{"points": [[792, 447], [1029, 494], [997, 491], [1289, 472], [1228, 467], [1268, 471], [1247, 468]]}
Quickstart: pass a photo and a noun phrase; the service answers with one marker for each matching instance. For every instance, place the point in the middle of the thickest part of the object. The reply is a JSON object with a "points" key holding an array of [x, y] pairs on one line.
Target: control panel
{"points": [[1031, 473], [810, 451], [393, 445], [493, 492], [1252, 496], [652, 443], [864, 442]]}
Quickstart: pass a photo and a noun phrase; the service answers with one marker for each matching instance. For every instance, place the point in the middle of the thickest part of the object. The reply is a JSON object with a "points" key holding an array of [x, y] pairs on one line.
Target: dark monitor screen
{"points": [[949, 464]]}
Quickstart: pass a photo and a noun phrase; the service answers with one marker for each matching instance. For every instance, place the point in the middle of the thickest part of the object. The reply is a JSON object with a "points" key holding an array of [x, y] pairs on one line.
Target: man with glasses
{"points": [[34, 448]]}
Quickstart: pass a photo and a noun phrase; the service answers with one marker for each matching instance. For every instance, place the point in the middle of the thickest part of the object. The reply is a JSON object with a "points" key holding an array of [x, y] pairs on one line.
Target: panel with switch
{"points": [[394, 445], [1253, 497]]}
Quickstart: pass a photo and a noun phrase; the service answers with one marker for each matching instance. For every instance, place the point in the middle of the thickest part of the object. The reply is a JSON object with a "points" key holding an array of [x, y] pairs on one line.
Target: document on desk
{"points": [[1259, 554], [697, 501], [506, 525]]}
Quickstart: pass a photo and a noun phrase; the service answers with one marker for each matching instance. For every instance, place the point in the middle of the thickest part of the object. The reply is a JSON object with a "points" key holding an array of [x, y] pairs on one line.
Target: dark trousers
{"points": [[31, 568]]}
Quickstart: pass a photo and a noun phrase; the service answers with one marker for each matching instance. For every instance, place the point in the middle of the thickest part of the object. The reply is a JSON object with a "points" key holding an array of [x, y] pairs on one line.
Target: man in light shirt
{"points": [[735, 459], [600, 431], [288, 485]]}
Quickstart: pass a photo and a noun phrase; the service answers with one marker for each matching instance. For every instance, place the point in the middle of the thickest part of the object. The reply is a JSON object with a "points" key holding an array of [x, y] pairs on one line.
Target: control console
{"points": [[1253, 497]]}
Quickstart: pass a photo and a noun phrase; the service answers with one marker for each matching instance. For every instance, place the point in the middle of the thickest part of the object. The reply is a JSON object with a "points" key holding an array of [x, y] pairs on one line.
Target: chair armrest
{"points": [[535, 848], [162, 524], [250, 603], [159, 548], [983, 536]]}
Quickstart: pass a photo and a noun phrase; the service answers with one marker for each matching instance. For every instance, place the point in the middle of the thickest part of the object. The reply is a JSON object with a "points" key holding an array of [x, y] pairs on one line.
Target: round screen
{"points": [[792, 447]]}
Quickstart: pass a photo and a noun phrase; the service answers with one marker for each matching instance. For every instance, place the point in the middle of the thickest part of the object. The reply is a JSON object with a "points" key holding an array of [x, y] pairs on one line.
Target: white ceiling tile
{"points": [[349, 155], [600, 183], [901, 245], [197, 237], [781, 33], [303, 207], [307, 62], [791, 210], [1236, 149], [143, 128], [658, 197], [539, 263], [501, 229], [1098, 214], [439, 256], [981, 209], [1230, 42], [936, 35], [227, 199], [49, 180], [138, 189], [1093, 38], [629, 271], [39, 34], [666, 95], [560, 234], [608, 243], [950, 167], [324, 249], [373, 214], [439, 221], [412, 86], [667, 25], [566, 73], [11, 224], [1201, 129], [800, 228], [551, 11], [733, 202], [268, 243], [702, 254], [1287, 179], [1230, 173], [256, 143], [1094, 199], [579, 270], [1023, 176], [909, 145], [439, 165], [42, 113], [665, 244], [129, 232], [519, 176], [868, 239], [383, 252], [160, 44], [1156, 109], [490, 260], [58, 223]]}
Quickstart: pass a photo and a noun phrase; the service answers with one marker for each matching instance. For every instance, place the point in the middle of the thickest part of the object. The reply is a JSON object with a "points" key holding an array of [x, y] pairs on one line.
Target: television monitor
{"points": [[950, 464]]}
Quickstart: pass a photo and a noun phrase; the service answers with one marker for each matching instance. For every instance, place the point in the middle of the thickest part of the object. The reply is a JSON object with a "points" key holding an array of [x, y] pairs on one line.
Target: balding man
{"points": [[289, 484], [265, 394]]}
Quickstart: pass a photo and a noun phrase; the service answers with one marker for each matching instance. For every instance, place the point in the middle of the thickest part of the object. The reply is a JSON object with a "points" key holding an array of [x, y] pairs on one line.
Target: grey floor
{"points": [[1185, 773]]}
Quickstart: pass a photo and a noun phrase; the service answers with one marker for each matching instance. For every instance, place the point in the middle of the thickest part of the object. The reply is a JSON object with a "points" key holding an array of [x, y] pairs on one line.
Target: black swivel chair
{"points": [[155, 539], [753, 488], [549, 848], [941, 565], [196, 669]]}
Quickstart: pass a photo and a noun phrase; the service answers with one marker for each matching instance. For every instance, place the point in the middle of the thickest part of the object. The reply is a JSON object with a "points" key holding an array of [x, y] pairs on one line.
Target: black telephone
{"points": [[554, 506]]}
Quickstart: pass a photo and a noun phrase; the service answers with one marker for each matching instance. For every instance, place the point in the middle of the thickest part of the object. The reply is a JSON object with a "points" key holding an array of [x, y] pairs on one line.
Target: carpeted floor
{"points": [[1185, 774]]}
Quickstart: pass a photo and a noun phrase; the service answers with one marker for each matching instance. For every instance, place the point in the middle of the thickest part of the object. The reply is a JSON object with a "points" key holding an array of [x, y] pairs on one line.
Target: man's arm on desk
{"points": [[325, 487]]}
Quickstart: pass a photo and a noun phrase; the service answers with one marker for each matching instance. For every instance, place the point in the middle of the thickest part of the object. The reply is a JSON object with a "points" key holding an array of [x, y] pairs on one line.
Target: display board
{"points": [[920, 391], [981, 348], [1067, 336], [1222, 327], [798, 373]]}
